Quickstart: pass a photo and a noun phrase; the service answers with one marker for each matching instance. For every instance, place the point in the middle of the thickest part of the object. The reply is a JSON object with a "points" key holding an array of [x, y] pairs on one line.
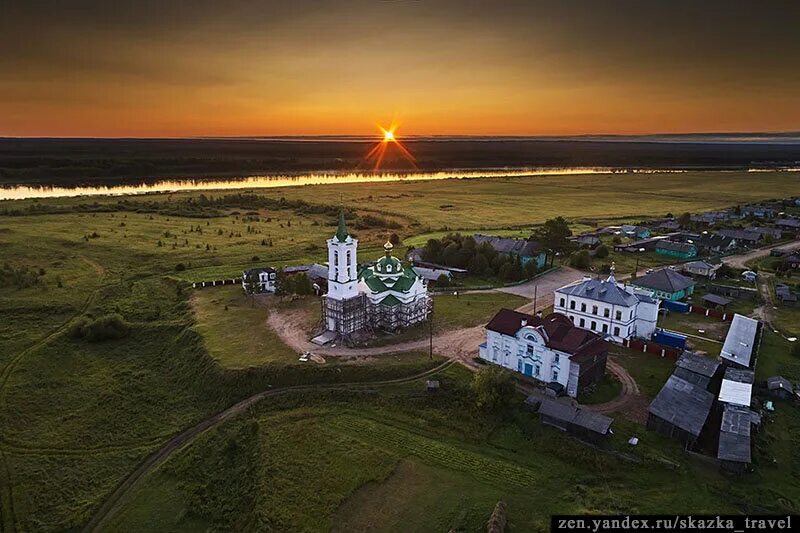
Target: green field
{"points": [[77, 416]]}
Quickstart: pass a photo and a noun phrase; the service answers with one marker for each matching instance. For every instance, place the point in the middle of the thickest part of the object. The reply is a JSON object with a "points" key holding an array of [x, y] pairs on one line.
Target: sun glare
{"points": [[378, 152]]}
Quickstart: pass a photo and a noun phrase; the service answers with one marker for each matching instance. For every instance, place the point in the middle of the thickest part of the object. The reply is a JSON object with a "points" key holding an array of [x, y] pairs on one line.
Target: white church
{"points": [[385, 296]]}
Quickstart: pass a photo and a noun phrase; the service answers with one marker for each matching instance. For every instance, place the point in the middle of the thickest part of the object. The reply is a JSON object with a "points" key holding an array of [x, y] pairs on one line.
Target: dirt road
{"points": [[738, 261]]}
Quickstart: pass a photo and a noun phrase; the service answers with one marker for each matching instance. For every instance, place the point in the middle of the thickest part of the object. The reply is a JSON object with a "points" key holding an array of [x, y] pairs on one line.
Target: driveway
{"points": [[738, 261], [543, 287]]}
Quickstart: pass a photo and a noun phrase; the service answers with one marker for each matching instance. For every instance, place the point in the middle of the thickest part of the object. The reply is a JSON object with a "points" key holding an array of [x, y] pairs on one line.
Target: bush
{"points": [[601, 252], [493, 388], [106, 327], [580, 259], [180, 267]]}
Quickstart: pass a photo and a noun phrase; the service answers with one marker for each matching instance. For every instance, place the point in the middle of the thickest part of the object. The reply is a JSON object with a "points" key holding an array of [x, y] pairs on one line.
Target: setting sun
{"points": [[388, 135]]}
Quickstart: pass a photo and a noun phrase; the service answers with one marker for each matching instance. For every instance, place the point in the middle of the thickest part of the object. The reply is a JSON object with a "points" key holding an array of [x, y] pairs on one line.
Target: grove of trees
{"points": [[461, 251]]}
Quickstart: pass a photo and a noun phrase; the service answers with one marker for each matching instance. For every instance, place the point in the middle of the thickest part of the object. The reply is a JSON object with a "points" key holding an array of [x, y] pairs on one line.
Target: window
{"points": [[572, 304], [561, 302], [557, 359], [388, 268], [272, 276], [606, 312], [519, 366], [616, 331], [530, 350], [605, 328], [555, 375], [618, 315], [594, 309], [583, 322], [583, 308], [594, 325], [536, 370], [494, 354]]}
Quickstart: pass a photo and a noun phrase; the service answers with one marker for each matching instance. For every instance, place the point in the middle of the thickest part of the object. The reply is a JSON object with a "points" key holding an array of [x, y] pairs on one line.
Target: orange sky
{"points": [[442, 67]]}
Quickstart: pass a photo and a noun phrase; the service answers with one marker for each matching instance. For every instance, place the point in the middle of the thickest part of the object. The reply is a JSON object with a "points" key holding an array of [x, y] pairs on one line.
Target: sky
{"points": [[172, 68]]}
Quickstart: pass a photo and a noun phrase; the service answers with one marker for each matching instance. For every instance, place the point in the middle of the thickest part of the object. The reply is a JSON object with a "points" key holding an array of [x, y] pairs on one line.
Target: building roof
{"points": [[779, 382], [733, 447], [665, 280], [716, 299], [788, 222], [705, 366], [507, 245], [699, 265], [741, 234], [606, 291], [740, 375], [740, 340], [683, 405], [259, 270], [341, 230], [682, 247], [576, 416], [559, 332], [736, 419], [432, 274], [736, 392]]}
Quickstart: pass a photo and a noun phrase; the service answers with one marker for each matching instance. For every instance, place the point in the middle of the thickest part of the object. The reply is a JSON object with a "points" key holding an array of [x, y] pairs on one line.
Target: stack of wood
{"points": [[497, 522]]}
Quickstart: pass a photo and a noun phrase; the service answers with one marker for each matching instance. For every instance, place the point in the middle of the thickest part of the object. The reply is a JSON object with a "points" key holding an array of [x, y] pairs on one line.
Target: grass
{"points": [[706, 333], [234, 329], [402, 460], [649, 370], [606, 390], [77, 417]]}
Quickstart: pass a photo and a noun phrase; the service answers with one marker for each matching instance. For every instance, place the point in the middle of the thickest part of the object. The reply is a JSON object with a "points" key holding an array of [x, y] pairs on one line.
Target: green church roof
{"points": [[341, 231]]}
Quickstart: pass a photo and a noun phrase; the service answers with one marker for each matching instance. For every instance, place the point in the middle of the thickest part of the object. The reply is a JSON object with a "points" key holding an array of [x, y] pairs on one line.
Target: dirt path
{"points": [[738, 261], [629, 402], [129, 484]]}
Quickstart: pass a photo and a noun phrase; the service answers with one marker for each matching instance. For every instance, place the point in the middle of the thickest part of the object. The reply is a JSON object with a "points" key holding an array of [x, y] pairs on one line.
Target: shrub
{"points": [[106, 327], [580, 259], [601, 252], [493, 388], [180, 267]]}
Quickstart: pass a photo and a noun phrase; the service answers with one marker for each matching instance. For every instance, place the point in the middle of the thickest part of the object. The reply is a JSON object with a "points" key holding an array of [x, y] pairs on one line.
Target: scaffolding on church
{"points": [[345, 316], [398, 316]]}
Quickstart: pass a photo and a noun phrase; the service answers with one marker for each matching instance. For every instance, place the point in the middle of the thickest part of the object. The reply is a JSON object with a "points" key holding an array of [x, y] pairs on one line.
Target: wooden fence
{"points": [[214, 283], [653, 348], [725, 316]]}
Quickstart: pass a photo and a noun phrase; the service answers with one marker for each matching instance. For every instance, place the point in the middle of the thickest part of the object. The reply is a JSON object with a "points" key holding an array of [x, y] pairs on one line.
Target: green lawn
{"points": [[234, 328], [707, 334], [606, 390], [649, 370]]}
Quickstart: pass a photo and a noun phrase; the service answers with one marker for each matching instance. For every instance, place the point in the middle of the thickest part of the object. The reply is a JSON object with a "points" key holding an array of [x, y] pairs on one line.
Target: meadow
{"points": [[78, 415]]}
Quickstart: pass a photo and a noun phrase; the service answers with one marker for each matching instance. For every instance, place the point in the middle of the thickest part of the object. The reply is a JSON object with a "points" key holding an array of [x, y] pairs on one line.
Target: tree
{"points": [[302, 284], [580, 259], [685, 220], [450, 255], [251, 283], [443, 280], [479, 265], [726, 271], [601, 252], [394, 238], [531, 269], [554, 234], [493, 388]]}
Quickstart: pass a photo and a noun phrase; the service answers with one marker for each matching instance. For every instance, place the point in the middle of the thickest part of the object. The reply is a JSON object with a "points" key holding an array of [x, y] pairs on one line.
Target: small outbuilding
{"points": [[582, 423], [680, 410], [780, 387], [696, 369], [715, 300]]}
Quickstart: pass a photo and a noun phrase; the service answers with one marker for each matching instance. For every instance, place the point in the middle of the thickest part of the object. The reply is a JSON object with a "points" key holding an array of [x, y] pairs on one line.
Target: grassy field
{"points": [[76, 416], [234, 329], [402, 460]]}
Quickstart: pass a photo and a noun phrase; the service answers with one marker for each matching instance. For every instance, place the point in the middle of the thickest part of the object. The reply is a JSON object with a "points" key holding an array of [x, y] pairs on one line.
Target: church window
{"points": [[388, 268], [530, 350]]}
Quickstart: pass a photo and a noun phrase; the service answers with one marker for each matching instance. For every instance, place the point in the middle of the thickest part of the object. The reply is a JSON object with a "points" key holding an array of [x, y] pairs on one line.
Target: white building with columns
{"points": [[616, 311]]}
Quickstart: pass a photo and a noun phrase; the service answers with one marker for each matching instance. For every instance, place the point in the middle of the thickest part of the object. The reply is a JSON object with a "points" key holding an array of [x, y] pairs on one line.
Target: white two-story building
{"points": [[259, 280], [611, 309], [549, 349]]}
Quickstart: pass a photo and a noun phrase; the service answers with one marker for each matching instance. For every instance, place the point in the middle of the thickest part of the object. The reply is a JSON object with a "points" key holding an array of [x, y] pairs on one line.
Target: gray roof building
{"points": [[681, 247], [664, 280], [779, 383], [740, 341], [507, 245], [742, 235], [734, 436], [683, 404], [696, 369], [606, 291]]}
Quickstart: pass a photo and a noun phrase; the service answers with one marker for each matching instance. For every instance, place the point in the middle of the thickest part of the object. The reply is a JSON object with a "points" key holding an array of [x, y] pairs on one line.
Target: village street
{"points": [[739, 260]]}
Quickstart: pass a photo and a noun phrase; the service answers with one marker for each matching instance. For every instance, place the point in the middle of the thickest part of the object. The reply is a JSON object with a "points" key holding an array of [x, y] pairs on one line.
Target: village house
{"points": [[582, 423], [756, 211], [739, 347], [638, 232], [701, 269], [678, 250], [713, 242], [527, 250], [780, 387], [259, 280], [743, 236], [784, 294], [772, 233], [734, 449], [549, 349], [665, 284], [589, 240], [789, 224], [609, 308], [680, 410], [792, 261], [696, 369]]}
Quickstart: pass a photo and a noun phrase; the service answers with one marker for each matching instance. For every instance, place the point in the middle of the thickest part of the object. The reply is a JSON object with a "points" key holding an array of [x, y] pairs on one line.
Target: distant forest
{"points": [[92, 161]]}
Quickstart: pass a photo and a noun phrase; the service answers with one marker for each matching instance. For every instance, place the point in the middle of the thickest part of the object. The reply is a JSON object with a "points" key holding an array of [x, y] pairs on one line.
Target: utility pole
{"points": [[430, 330], [535, 298]]}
